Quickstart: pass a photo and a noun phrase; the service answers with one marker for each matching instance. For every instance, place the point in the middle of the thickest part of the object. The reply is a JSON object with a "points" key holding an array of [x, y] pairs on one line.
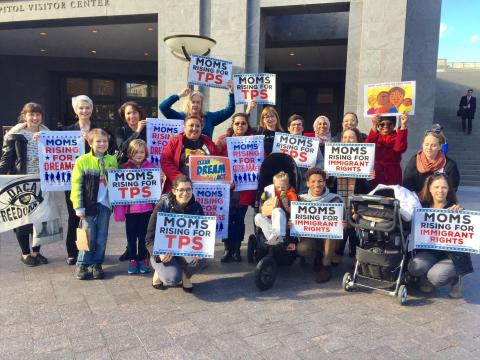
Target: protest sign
{"points": [[134, 186], [349, 160], [210, 168], [246, 155], [215, 201], [22, 202], [390, 98], [159, 132], [184, 235], [302, 149], [257, 87], [318, 220], [207, 71], [57, 151], [449, 230]]}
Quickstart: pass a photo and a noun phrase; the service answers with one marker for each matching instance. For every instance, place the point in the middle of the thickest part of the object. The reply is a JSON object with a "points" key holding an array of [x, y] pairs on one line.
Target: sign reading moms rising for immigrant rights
{"points": [[246, 155], [448, 230], [349, 160], [184, 235], [257, 87], [303, 149], [210, 168], [58, 151], [207, 71], [134, 186], [215, 200], [318, 220], [159, 132]]}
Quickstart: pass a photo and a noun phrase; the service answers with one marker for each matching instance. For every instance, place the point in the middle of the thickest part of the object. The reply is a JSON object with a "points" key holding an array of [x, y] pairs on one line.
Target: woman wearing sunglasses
{"points": [[429, 160], [390, 144]]}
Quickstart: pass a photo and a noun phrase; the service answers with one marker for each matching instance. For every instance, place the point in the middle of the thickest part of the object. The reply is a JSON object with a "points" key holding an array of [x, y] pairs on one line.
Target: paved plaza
{"points": [[47, 314]]}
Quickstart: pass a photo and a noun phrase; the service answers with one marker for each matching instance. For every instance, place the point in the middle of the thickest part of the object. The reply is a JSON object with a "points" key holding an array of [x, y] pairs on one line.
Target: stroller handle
{"points": [[370, 199]]}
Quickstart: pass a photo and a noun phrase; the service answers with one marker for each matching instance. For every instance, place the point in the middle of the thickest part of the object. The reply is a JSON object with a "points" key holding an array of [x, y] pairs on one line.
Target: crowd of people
{"points": [[430, 173]]}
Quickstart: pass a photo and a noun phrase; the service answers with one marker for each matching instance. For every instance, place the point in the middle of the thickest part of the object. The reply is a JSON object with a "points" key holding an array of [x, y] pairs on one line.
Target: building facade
{"points": [[322, 51]]}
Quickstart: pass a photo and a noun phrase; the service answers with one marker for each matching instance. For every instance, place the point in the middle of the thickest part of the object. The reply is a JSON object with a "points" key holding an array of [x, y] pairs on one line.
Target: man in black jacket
{"points": [[467, 107]]}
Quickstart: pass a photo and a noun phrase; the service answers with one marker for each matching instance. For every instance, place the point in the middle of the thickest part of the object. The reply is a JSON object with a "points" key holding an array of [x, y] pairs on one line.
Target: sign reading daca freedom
{"points": [[58, 151]]}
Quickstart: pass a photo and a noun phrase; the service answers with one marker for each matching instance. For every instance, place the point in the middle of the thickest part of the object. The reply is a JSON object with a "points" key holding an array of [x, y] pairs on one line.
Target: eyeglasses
{"points": [[269, 116], [296, 125], [385, 124], [184, 191], [433, 131], [240, 124]]}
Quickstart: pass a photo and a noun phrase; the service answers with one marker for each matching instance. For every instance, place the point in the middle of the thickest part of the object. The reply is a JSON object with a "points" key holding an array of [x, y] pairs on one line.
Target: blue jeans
{"points": [[98, 226]]}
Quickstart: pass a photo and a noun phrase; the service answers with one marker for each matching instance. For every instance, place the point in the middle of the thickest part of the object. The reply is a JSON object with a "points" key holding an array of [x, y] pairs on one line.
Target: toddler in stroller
{"points": [[268, 245], [383, 225]]}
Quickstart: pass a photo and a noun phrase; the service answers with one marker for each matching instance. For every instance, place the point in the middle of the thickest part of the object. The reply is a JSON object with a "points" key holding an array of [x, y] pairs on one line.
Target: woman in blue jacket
{"points": [[194, 106]]}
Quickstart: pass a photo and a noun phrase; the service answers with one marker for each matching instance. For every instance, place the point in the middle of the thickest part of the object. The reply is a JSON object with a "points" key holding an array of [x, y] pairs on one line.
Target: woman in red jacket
{"points": [[389, 147], [175, 156], [240, 200]]}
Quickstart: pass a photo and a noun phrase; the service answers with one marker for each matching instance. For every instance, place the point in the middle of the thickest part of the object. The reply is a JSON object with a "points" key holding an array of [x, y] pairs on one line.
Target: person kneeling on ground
{"points": [[276, 197], [311, 247], [174, 270]]}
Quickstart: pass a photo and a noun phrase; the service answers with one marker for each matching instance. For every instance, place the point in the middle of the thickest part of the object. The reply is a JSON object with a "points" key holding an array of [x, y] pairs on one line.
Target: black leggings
{"points": [[23, 237], [73, 221]]}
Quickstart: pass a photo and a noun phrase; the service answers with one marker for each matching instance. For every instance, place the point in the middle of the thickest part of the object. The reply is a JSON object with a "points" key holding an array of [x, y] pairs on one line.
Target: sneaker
{"points": [[82, 272], [97, 271], [124, 256], [71, 261], [29, 260], [324, 275], [133, 267], [41, 260], [143, 267], [456, 291]]}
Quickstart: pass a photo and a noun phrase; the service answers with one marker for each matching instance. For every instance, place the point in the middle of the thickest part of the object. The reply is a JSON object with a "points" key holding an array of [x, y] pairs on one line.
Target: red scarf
{"points": [[425, 166]]}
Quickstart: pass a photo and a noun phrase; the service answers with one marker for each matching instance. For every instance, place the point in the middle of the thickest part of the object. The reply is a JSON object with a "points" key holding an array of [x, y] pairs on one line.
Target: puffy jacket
{"points": [[120, 210], [167, 204], [170, 159], [14, 152], [247, 197], [211, 119], [85, 181], [388, 155]]}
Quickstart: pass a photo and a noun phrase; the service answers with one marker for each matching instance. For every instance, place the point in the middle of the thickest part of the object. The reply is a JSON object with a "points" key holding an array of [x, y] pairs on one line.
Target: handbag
{"points": [[83, 238], [461, 112], [47, 232]]}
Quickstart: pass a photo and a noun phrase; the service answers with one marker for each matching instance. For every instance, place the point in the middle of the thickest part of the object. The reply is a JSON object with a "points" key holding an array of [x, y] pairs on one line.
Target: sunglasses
{"points": [[434, 131], [239, 123], [385, 124]]}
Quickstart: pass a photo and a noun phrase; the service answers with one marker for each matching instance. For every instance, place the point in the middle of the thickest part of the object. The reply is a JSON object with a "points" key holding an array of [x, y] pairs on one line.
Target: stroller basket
{"points": [[379, 265]]}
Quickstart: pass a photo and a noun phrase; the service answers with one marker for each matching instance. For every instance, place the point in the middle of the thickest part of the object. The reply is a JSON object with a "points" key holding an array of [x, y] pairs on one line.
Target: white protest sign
{"points": [[184, 235], [246, 154], [302, 149], [22, 202], [57, 151], [215, 201], [318, 220], [134, 186], [349, 160], [449, 230], [207, 71], [159, 132], [257, 87]]}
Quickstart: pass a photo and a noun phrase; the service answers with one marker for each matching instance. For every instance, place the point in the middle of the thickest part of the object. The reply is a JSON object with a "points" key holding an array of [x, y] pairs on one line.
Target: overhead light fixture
{"points": [[43, 33], [150, 28], [146, 53], [292, 54], [93, 51], [183, 46], [42, 50], [299, 64], [94, 31]]}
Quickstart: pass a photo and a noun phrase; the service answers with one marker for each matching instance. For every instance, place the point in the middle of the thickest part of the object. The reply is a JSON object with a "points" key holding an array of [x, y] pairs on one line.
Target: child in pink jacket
{"points": [[136, 216]]}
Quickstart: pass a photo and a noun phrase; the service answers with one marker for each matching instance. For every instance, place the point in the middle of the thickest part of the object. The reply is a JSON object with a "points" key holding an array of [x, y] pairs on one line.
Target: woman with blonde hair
{"points": [[269, 124], [194, 106]]}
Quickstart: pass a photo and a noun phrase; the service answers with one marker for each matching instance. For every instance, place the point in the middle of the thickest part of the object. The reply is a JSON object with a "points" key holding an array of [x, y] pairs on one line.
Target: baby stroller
{"points": [[382, 251], [268, 256]]}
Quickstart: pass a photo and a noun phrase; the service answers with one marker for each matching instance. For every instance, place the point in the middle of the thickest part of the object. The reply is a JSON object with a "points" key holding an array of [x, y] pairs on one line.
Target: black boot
{"points": [[125, 256], [236, 256], [227, 255]]}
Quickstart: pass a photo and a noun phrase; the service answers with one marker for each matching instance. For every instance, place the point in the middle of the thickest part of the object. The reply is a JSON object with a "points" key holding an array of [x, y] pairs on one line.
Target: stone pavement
{"points": [[47, 314]]}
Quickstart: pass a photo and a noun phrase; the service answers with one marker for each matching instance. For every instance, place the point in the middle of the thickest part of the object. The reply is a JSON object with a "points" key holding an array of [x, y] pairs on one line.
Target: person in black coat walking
{"points": [[466, 109]]}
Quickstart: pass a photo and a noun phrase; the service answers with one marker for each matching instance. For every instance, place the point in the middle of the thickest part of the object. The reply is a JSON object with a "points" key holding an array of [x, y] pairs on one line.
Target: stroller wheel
{"points": [[347, 278], [265, 273], [251, 248], [402, 294]]}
